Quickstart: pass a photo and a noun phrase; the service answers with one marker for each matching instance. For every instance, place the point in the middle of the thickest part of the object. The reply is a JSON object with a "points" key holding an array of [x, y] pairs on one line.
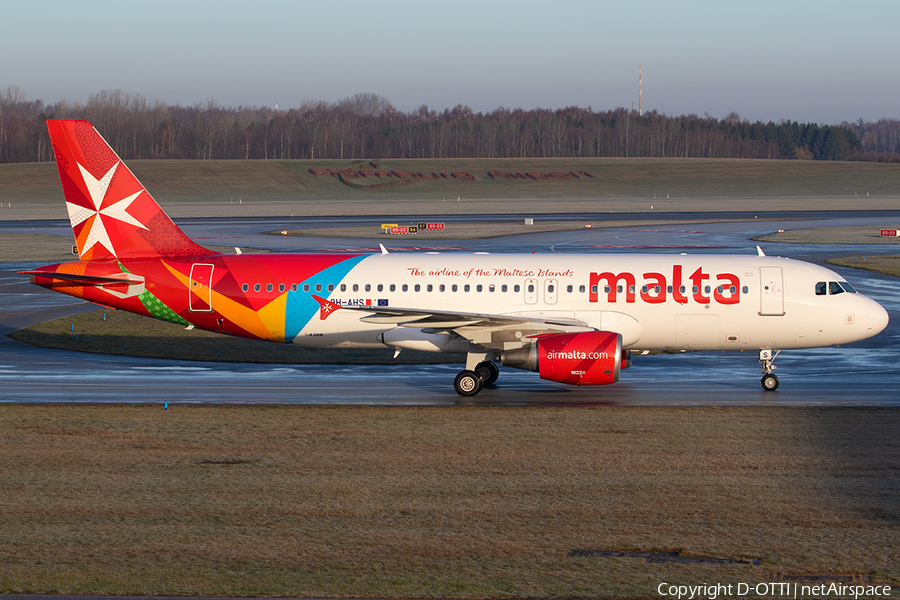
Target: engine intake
{"points": [[585, 358]]}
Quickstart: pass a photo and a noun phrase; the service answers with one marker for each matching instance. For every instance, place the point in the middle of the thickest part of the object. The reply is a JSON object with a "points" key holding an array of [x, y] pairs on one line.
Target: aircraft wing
{"points": [[492, 331]]}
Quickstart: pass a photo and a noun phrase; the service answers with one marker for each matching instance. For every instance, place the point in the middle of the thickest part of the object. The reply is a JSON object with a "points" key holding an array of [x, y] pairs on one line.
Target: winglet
{"points": [[383, 249], [759, 250]]}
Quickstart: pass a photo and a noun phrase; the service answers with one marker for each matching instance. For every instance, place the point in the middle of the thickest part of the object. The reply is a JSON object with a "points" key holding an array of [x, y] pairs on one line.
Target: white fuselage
{"points": [[657, 302]]}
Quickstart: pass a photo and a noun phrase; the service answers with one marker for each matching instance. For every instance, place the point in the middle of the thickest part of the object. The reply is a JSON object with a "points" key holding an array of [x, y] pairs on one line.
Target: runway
{"points": [[862, 374]]}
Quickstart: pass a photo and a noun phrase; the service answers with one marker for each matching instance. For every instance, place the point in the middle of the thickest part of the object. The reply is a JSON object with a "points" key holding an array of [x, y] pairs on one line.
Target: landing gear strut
{"points": [[769, 380]]}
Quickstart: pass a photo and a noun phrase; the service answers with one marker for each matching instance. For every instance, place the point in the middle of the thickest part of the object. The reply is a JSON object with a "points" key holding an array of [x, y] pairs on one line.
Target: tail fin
{"points": [[112, 215]]}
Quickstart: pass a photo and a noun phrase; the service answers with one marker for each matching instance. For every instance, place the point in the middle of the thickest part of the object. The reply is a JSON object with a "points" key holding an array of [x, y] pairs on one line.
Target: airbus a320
{"points": [[574, 319]]}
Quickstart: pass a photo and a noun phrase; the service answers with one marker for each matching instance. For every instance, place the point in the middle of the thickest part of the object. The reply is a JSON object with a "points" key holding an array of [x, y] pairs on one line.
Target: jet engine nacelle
{"points": [[585, 358]]}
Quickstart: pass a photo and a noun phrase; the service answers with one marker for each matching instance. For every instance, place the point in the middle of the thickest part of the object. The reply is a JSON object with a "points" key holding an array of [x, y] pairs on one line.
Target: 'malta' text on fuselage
{"points": [[656, 288]]}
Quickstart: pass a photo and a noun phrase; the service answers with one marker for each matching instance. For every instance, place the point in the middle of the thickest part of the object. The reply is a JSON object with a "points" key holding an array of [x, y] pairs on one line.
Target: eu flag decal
{"points": [[382, 302]]}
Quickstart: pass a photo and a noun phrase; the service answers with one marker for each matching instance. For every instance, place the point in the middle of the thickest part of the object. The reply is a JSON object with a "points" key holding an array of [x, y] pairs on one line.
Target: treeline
{"points": [[367, 126]]}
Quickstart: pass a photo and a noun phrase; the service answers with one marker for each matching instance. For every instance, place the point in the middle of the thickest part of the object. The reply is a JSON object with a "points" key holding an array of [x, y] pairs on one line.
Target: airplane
{"points": [[574, 319]]}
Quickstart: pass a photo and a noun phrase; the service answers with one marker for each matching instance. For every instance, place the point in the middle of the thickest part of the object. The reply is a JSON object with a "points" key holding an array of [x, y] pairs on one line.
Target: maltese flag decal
{"points": [[326, 307]]}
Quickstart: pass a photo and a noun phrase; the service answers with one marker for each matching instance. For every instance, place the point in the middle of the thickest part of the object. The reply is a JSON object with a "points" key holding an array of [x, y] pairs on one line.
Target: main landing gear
{"points": [[469, 383], [488, 371], [769, 380]]}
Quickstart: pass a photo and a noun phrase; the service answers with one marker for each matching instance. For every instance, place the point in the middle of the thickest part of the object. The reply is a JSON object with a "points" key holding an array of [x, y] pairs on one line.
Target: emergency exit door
{"points": [[200, 292]]}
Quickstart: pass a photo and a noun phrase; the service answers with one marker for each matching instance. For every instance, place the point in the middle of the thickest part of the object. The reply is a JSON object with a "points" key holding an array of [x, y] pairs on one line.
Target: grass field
{"points": [[422, 502], [108, 331], [477, 230], [888, 264], [267, 188], [866, 234]]}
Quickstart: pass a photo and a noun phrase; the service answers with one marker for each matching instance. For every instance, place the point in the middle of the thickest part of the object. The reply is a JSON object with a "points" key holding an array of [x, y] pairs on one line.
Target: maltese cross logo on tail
{"points": [[326, 307], [97, 232]]}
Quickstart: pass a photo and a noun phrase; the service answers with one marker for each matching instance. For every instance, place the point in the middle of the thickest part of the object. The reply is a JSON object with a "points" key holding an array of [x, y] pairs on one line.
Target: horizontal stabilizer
{"points": [[87, 279]]}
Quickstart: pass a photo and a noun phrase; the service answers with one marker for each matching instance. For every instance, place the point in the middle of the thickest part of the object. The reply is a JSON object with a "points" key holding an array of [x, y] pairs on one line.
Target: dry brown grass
{"points": [[108, 331], [477, 230], [865, 234], [281, 188], [439, 502], [28, 247], [889, 264]]}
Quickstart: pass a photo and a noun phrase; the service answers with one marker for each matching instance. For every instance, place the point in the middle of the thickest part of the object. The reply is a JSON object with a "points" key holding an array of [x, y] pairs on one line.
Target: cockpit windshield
{"points": [[833, 288]]}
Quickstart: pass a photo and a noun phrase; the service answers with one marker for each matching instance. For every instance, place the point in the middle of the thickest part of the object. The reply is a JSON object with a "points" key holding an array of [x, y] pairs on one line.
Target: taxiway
{"points": [[865, 373]]}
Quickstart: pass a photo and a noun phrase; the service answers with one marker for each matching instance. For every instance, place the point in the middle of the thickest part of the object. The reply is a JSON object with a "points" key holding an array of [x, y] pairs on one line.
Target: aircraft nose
{"points": [[876, 319]]}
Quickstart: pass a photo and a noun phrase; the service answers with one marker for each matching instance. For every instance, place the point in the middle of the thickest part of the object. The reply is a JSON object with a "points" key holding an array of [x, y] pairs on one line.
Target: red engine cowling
{"points": [[586, 358]]}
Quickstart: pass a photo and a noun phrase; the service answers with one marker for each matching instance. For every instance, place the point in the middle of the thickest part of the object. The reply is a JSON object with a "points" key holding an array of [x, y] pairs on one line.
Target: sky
{"points": [[819, 61]]}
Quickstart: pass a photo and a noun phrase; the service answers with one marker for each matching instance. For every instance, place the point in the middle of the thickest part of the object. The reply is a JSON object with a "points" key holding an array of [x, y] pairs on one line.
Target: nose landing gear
{"points": [[769, 380]]}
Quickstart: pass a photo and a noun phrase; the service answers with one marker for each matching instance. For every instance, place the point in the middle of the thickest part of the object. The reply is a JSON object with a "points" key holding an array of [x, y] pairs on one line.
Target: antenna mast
{"points": [[640, 93]]}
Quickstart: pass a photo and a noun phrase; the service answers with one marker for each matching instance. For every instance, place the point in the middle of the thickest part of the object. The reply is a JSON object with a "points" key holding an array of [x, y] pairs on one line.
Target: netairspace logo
{"points": [[771, 590]]}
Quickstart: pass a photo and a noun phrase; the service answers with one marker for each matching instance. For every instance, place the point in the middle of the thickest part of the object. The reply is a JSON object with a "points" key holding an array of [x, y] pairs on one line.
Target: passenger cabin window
{"points": [[245, 287], [255, 287], [268, 287], [280, 287], [318, 287], [305, 287], [293, 287]]}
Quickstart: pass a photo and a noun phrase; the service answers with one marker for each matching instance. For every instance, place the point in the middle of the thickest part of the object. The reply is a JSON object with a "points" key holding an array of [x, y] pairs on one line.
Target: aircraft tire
{"points": [[467, 383], [769, 382], [488, 371]]}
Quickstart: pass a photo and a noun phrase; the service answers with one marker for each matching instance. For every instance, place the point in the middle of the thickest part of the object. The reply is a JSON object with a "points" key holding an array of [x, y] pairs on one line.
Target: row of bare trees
{"points": [[367, 126]]}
